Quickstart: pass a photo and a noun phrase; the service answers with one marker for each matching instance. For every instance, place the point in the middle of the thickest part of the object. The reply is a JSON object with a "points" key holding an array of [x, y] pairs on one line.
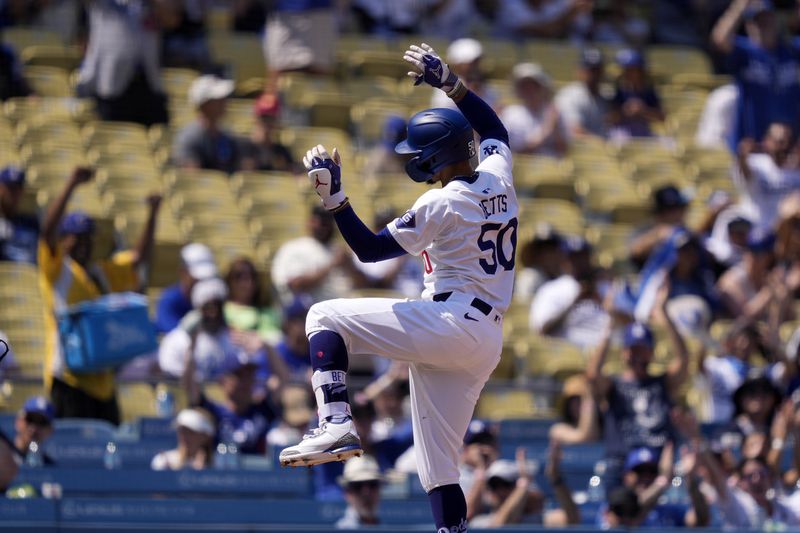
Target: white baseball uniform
{"points": [[466, 235]]}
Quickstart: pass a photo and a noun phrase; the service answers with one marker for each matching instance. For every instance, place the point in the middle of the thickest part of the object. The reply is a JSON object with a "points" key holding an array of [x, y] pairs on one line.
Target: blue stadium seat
{"points": [[294, 483], [80, 452], [36, 514], [514, 431]]}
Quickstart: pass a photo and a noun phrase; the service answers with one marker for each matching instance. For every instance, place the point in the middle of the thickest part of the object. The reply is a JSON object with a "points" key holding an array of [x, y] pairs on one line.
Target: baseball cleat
{"points": [[327, 443]]}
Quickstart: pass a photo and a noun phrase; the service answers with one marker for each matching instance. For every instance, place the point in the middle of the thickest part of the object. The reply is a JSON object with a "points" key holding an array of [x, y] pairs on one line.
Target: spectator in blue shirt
{"points": [[197, 263], [636, 104], [765, 68], [243, 417], [19, 233]]}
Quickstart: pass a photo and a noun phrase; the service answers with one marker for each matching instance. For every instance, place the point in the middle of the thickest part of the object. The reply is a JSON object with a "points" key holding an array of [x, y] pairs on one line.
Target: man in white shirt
{"points": [[534, 124], [569, 307], [769, 176], [581, 104], [206, 337], [311, 264]]}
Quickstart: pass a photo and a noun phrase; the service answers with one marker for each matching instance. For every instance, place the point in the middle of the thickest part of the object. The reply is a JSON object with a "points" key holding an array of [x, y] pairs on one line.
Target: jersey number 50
{"points": [[494, 237]]}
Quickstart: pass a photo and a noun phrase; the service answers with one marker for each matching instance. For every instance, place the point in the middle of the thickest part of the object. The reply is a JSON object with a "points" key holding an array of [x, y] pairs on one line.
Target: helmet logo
{"points": [[471, 147]]}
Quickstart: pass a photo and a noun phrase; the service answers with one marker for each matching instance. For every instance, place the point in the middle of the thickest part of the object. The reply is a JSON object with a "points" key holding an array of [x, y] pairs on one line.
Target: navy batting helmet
{"points": [[436, 138]]}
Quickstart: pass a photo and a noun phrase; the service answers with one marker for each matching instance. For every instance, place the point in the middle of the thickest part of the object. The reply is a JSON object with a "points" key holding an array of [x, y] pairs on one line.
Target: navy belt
{"points": [[477, 303]]}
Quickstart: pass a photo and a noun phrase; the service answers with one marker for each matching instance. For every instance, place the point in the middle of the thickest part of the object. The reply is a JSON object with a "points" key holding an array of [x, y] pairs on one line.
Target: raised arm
{"points": [[599, 382], [325, 174], [56, 210], [144, 247], [678, 368], [429, 68], [725, 30]]}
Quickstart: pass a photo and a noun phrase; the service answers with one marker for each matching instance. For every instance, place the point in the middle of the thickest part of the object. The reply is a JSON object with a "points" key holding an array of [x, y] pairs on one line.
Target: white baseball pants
{"points": [[452, 348]]}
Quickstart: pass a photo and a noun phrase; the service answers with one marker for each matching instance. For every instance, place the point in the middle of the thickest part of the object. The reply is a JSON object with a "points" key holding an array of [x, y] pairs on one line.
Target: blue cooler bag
{"points": [[106, 332]]}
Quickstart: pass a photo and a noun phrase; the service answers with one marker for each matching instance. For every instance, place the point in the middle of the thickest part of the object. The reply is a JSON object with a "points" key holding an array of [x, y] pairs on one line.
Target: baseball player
{"points": [[466, 235]]}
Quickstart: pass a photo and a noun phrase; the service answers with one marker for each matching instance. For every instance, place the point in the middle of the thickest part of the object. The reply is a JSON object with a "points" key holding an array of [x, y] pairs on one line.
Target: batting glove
{"points": [[429, 68], [325, 174]]}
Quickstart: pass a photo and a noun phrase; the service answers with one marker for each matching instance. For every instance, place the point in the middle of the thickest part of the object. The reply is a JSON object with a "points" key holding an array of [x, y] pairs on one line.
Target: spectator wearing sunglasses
{"points": [[361, 482]]}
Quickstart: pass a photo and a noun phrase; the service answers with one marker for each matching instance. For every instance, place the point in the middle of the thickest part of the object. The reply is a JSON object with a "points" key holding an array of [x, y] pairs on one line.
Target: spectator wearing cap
{"points": [[33, 424], [122, 69], [544, 19], [648, 474], [512, 496], [19, 232], [382, 159], [745, 288], [636, 403], [203, 338], [769, 173], [204, 143], [636, 104], [569, 307], [726, 371], [292, 347], [760, 63], [196, 264], [196, 430], [542, 259], [361, 481], [756, 403], [669, 214], [261, 151], [583, 106], [245, 412], [248, 306], [311, 264], [465, 58], [68, 276], [534, 125]]}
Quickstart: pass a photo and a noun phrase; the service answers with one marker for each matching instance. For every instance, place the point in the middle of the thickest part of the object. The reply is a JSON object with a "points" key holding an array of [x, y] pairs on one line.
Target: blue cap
{"points": [[591, 57], [41, 406], [756, 8], [394, 130], [628, 57], [235, 359], [640, 456], [760, 241], [637, 334], [12, 175], [480, 432], [298, 308], [76, 223]]}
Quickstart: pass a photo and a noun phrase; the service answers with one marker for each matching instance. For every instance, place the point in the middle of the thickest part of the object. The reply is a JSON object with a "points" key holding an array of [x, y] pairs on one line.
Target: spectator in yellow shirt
{"points": [[67, 277]]}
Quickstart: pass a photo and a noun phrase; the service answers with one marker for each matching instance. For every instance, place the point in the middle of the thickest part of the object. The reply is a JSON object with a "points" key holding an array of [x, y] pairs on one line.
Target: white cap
{"points": [[531, 71], [208, 290], [464, 50], [209, 87], [196, 421], [363, 468], [503, 469], [199, 261]]}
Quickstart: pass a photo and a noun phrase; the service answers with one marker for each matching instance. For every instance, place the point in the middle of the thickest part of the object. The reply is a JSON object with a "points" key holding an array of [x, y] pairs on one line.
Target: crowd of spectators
{"points": [[668, 398]]}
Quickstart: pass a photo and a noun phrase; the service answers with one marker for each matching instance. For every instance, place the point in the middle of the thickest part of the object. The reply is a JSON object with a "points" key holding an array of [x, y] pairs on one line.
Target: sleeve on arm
{"points": [[482, 118], [368, 247], [416, 229]]}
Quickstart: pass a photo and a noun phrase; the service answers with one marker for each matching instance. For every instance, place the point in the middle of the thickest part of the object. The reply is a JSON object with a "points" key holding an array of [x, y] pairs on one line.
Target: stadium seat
{"points": [[65, 58], [240, 52], [496, 404], [21, 37], [13, 394], [135, 400], [48, 81]]}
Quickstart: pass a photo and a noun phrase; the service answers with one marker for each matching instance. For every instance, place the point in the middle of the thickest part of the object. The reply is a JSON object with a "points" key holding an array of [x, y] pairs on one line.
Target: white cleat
{"points": [[327, 443]]}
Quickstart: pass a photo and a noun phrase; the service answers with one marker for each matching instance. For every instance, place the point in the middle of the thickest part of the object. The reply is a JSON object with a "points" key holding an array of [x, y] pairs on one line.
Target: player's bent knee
{"points": [[320, 317]]}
